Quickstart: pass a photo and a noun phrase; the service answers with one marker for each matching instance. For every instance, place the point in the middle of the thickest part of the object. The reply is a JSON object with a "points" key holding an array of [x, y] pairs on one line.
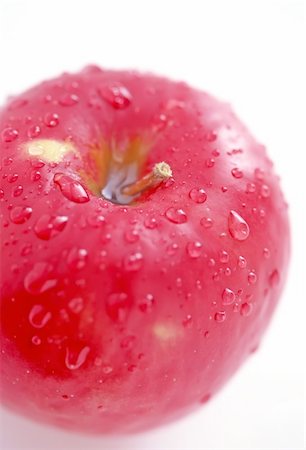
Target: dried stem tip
{"points": [[160, 172]]}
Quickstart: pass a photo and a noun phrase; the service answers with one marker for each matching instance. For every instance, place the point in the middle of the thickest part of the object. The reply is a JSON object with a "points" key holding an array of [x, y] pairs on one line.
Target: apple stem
{"points": [[160, 172]]}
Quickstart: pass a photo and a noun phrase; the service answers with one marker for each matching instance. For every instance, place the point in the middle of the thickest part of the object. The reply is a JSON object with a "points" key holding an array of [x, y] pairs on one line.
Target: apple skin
{"points": [[117, 318]]}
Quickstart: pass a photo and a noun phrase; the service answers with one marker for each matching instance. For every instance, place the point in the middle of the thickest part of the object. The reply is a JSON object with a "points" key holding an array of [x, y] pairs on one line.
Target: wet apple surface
{"points": [[145, 243]]}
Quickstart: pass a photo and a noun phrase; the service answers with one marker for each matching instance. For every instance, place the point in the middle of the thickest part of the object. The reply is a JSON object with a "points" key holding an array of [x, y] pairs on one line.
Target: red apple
{"points": [[130, 296]]}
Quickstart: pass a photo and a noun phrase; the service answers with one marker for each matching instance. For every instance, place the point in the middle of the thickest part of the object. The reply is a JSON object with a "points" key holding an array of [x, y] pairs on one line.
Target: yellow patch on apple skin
{"points": [[166, 332], [49, 150]]}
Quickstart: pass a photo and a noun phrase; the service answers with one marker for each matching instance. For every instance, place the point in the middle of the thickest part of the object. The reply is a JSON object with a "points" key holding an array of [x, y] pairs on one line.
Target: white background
{"points": [[250, 53]]}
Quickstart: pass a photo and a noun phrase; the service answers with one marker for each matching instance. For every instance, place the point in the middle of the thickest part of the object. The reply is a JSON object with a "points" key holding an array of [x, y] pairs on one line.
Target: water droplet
{"points": [[17, 103], [259, 174], [39, 279], [48, 227], [175, 215], [20, 214], [224, 189], [77, 258], [274, 278], [187, 322], [70, 188], [206, 222], [75, 359], [150, 223], [17, 191], [117, 306], [179, 282], [237, 226], [160, 122], [266, 252], [98, 361], [128, 342], [242, 262], [1, 193], [56, 339], [116, 95], [7, 161], [68, 99], [96, 220], [228, 296], [223, 257], [35, 175], [12, 177], [15, 269], [36, 340], [106, 238], [9, 134], [37, 163], [133, 262], [227, 271], [252, 277], [48, 98], [169, 182], [250, 188], [211, 136], [211, 262], [262, 213], [39, 316], [194, 249], [172, 248], [205, 398], [210, 162], [265, 191], [76, 305], [80, 283], [51, 120], [220, 316], [34, 131], [131, 236], [237, 173], [26, 249], [107, 369], [239, 294], [146, 304], [246, 309], [198, 195]]}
